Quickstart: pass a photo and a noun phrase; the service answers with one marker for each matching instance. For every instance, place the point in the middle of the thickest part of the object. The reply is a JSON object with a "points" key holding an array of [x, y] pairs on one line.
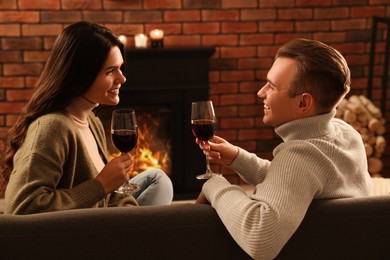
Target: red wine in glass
{"points": [[204, 129], [124, 137], [124, 140], [203, 123]]}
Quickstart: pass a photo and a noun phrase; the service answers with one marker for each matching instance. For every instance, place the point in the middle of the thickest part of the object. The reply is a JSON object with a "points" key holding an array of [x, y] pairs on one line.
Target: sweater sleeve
{"points": [[50, 173], [263, 222]]}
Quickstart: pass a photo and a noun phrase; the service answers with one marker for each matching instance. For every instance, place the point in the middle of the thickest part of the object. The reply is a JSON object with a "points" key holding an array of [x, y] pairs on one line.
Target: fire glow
{"points": [[150, 151]]}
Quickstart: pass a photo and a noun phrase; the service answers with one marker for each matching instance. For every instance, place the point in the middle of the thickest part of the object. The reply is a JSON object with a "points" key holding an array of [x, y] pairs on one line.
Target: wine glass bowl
{"points": [[124, 135], [203, 124]]}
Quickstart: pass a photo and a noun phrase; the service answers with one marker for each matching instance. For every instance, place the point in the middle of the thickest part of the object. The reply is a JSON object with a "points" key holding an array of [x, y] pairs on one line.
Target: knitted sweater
{"points": [[321, 157], [53, 171]]}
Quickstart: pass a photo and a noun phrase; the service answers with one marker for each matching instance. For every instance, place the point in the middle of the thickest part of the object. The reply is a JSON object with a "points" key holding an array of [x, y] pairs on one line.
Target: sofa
{"points": [[349, 228]]}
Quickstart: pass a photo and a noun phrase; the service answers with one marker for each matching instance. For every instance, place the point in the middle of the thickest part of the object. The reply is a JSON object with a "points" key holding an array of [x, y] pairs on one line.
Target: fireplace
{"points": [[160, 86]]}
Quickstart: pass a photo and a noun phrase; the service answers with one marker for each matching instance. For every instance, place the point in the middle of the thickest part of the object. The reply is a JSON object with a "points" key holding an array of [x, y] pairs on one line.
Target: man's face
{"points": [[279, 108]]}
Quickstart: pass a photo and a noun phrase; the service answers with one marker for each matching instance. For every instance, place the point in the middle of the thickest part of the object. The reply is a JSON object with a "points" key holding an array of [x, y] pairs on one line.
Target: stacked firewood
{"points": [[367, 119]]}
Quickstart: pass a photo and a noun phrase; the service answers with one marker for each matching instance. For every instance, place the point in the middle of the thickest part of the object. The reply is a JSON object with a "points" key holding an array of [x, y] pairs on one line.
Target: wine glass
{"points": [[203, 123], [124, 137]]}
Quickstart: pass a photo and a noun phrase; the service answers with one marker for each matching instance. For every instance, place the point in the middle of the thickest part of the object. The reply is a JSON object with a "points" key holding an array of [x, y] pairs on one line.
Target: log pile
{"points": [[367, 119]]}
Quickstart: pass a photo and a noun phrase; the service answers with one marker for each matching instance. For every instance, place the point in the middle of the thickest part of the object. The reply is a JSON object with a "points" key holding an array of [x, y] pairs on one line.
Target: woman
{"points": [[56, 156]]}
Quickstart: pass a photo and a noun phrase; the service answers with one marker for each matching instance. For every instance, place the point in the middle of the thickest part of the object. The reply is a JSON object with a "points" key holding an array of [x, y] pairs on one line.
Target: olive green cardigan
{"points": [[53, 171]]}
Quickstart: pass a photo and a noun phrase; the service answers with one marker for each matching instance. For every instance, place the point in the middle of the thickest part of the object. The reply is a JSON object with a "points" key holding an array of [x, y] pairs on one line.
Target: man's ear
{"points": [[306, 103]]}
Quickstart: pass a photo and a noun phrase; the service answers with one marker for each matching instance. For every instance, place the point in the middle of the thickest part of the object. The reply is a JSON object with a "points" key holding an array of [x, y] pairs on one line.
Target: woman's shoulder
{"points": [[58, 121]]}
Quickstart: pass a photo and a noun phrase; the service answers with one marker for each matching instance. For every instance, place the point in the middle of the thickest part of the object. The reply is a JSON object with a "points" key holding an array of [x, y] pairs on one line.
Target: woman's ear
{"points": [[306, 103]]}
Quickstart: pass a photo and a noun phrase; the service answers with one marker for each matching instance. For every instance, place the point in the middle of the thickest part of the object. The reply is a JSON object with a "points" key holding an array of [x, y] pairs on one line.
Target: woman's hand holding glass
{"points": [[115, 173]]}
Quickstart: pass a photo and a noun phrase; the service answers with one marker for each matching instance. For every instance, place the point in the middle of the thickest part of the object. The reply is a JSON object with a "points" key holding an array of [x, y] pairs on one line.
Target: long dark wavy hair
{"points": [[77, 56]]}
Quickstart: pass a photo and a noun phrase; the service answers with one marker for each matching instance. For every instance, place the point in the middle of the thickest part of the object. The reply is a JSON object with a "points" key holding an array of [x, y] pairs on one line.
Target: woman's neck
{"points": [[81, 108]]}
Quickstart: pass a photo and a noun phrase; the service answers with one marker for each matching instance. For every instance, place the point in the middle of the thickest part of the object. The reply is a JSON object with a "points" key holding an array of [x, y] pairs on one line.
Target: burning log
{"points": [[367, 119]]}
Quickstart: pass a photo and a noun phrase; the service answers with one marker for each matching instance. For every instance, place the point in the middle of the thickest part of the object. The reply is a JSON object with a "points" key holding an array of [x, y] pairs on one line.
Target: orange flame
{"points": [[150, 152]]}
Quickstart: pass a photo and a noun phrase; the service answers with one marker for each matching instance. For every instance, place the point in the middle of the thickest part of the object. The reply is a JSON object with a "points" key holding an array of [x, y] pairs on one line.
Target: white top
{"points": [[89, 142], [321, 158]]}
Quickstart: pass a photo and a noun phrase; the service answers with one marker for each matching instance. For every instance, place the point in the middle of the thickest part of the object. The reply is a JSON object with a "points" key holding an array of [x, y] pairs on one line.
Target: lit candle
{"points": [[123, 39], [141, 40], [157, 38]]}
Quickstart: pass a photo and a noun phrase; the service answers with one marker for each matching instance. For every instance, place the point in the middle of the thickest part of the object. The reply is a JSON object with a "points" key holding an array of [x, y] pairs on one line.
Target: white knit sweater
{"points": [[321, 158]]}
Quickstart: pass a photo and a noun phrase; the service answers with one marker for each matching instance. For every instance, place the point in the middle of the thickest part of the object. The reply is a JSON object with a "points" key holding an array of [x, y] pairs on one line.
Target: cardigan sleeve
{"points": [[51, 170]]}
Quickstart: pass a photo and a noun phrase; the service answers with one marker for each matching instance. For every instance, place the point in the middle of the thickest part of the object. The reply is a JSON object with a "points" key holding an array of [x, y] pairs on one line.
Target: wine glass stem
{"points": [[208, 169]]}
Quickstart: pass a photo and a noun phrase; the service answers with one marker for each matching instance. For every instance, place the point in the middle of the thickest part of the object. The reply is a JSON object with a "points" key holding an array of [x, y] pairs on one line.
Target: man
{"points": [[321, 157]]}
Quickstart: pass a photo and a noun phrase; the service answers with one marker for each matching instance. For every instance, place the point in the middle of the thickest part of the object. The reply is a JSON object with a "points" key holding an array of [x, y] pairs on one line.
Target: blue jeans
{"points": [[156, 188]]}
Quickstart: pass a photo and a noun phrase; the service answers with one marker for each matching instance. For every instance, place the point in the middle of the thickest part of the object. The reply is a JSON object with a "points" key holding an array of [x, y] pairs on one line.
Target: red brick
{"points": [[80, 4], [239, 27], [238, 99], [126, 29], [30, 81], [182, 16], [9, 30], [32, 43], [221, 39], [60, 16], [251, 87], [11, 82], [143, 16], [123, 5], [245, 111], [285, 37], [223, 64], [22, 69], [330, 37], [11, 119], [201, 4], [238, 52], [350, 47], [256, 39], [39, 4], [182, 41], [331, 13], [255, 63], [226, 111], [19, 16], [11, 107], [223, 88], [312, 26], [238, 4], [267, 51], [258, 14], [19, 95], [351, 24], [236, 123], [368, 11], [314, 3], [5, 4], [220, 15], [103, 16], [274, 27], [295, 13], [162, 4], [255, 134], [35, 56], [41, 29], [48, 42], [10, 56], [168, 28], [277, 3], [200, 28], [356, 59]]}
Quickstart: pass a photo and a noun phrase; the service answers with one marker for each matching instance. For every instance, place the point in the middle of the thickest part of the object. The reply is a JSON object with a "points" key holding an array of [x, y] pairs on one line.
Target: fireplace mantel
{"points": [[168, 68], [170, 79]]}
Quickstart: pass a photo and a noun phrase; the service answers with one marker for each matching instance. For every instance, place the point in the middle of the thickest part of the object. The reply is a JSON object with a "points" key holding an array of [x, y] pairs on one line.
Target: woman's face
{"points": [[105, 89]]}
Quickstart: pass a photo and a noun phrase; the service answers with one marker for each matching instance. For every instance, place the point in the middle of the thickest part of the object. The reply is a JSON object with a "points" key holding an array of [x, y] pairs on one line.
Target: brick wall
{"points": [[246, 35]]}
